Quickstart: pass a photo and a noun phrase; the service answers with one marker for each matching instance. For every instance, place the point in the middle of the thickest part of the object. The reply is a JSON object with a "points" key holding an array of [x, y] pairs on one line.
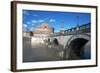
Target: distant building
{"points": [[41, 34], [43, 30]]}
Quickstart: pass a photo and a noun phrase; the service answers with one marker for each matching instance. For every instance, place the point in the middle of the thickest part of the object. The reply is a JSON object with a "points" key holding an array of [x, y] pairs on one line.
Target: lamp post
{"points": [[62, 38], [77, 27]]}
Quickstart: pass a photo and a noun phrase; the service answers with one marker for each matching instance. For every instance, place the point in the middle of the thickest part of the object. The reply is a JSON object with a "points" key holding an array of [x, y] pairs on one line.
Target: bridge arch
{"points": [[74, 48], [84, 36], [55, 41]]}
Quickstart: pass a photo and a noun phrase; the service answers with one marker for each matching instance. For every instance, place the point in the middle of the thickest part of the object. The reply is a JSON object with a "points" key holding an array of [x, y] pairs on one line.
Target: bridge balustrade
{"points": [[78, 30]]}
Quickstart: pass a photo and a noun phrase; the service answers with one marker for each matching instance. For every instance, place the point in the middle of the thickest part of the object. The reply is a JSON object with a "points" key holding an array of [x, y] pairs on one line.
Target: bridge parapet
{"points": [[86, 28]]}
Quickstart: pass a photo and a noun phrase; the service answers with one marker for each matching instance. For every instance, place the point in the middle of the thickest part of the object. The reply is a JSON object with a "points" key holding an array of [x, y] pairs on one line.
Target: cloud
{"points": [[25, 25], [33, 24], [28, 22], [34, 21], [40, 21], [32, 28], [52, 20]]}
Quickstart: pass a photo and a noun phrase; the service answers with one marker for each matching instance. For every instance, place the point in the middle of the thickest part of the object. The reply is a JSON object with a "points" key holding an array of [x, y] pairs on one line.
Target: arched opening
{"points": [[55, 42], [76, 49]]}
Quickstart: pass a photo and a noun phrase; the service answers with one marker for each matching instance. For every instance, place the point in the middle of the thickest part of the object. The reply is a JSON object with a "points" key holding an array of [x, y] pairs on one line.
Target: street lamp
{"points": [[77, 27]]}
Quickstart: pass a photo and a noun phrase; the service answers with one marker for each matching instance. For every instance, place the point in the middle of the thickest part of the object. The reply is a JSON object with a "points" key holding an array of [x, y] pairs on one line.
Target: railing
{"points": [[86, 28]]}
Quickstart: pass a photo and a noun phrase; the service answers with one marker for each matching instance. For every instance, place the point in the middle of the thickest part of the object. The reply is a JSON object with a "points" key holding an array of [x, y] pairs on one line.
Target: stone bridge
{"points": [[76, 42]]}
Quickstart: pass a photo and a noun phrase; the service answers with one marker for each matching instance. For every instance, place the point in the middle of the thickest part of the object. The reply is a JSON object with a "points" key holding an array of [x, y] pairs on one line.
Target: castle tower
{"points": [[44, 29]]}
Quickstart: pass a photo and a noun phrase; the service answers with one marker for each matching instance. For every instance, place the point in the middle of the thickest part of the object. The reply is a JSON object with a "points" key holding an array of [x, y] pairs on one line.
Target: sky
{"points": [[34, 18]]}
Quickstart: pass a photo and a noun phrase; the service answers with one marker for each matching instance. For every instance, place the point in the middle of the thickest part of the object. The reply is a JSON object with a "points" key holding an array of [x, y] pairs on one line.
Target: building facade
{"points": [[42, 33]]}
